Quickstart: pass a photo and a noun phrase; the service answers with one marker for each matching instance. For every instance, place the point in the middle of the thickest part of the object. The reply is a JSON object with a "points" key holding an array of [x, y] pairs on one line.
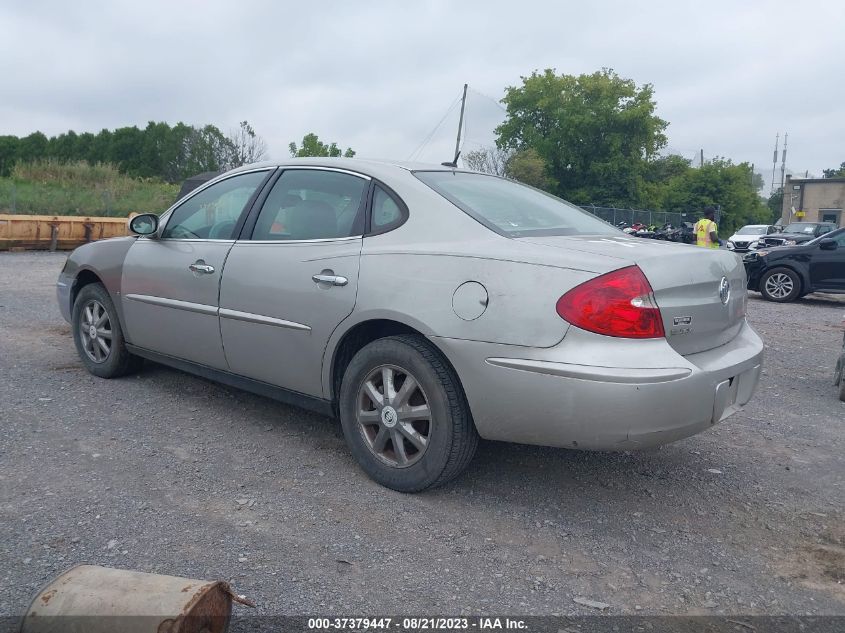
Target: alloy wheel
{"points": [[394, 416], [779, 285], [96, 331]]}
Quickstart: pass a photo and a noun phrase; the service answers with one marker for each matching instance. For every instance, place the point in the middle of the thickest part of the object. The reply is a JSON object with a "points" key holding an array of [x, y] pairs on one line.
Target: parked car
{"points": [[786, 273], [423, 306], [747, 237], [797, 233]]}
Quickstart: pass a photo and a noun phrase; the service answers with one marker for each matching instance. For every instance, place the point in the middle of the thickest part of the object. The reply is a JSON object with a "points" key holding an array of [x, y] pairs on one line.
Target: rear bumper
{"points": [[650, 396]]}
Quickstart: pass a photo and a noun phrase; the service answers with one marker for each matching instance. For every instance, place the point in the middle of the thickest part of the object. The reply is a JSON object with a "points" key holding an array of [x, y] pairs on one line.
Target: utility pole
{"points": [[774, 162], [752, 175], [701, 158], [783, 162], [460, 125]]}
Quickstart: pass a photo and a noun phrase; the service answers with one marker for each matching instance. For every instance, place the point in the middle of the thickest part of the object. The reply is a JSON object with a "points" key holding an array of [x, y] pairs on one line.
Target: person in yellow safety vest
{"points": [[706, 231]]}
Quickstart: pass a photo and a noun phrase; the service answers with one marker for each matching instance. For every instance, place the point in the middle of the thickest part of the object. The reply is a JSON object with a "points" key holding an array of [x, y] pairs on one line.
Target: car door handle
{"points": [[335, 280], [201, 267]]}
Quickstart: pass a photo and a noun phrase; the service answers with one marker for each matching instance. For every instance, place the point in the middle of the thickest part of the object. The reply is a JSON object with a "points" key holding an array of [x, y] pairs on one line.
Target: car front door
{"points": [[293, 277], [170, 282], [827, 267]]}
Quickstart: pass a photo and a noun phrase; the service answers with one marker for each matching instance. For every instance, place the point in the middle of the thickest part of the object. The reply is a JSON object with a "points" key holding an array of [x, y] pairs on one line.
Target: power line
{"points": [[434, 131], [495, 101]]}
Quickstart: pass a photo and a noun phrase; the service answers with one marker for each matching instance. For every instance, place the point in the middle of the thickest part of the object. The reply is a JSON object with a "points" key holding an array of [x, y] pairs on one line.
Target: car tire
{"points": [[420, 436], [103, 348], [780, 285]]}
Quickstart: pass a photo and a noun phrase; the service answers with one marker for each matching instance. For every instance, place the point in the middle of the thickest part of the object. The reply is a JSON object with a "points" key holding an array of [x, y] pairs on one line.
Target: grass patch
{"points": [[51, 187]]}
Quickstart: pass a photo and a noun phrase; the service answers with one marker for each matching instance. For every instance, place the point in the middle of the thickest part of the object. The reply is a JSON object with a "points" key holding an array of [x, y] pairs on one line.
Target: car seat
{"points": [[312, 220]]}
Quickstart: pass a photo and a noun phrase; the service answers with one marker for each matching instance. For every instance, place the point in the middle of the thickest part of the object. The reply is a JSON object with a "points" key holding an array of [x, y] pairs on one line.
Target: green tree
{"points": [[64, 147], [775, 205], [658, 172], [835, 173], [595, 133], [100, 148], [718, 182], [125, 149], [528, 167], [313, 146], [8, 155], [32, 147]]}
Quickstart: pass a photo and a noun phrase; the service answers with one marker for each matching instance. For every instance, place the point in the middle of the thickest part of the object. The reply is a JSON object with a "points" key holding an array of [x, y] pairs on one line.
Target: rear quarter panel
{"points": [[521, 297]]}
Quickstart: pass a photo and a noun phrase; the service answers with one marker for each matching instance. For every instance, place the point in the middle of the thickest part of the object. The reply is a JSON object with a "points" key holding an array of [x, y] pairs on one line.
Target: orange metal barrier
{"points": [[56, 231]]}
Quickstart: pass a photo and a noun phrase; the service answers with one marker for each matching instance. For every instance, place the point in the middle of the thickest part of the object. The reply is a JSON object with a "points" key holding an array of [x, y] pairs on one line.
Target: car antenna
{"points": [[454, 162]]}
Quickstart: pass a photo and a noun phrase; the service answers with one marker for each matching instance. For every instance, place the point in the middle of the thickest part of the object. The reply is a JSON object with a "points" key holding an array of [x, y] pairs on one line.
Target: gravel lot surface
{"points": [[163, 472]]}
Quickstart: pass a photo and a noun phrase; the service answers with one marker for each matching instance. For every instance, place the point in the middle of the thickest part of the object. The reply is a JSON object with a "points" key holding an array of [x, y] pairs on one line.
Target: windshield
{"points": [[800, 227], [752, 230], [512, 209]]}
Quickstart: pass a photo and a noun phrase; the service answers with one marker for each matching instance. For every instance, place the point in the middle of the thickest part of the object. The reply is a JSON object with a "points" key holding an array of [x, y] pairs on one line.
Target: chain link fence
{"points": [[614, 216]]}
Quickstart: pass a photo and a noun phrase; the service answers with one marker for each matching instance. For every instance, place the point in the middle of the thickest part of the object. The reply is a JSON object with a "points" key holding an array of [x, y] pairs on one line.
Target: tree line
{"points": [[591, 139], [159, 151], [596, 139]]}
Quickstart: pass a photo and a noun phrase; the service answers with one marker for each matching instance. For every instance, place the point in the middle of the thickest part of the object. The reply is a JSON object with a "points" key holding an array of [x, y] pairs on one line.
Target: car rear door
{"points": [[170, 283], [293, 277]]}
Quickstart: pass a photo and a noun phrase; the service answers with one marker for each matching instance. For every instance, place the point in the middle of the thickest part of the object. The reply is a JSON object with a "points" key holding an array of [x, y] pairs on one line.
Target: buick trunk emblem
{"points": [[724, 290]]}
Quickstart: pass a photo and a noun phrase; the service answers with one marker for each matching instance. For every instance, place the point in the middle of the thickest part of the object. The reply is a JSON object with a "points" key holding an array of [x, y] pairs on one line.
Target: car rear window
{"points": [[510, 208]]}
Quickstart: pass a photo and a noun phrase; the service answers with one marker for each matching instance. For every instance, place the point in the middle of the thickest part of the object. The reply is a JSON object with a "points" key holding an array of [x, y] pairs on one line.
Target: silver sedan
{"points": [[425, 307]]}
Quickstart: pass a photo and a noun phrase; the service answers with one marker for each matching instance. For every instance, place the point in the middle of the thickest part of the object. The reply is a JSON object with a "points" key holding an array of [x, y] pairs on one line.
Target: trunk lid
{"points": [[687, 284]]}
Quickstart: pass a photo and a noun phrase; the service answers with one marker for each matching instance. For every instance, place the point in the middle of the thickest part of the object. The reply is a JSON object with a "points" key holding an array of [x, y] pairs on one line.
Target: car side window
{"points": [[387, 211], [840, 240], [213, 213], [312, 204], [824, 229]]}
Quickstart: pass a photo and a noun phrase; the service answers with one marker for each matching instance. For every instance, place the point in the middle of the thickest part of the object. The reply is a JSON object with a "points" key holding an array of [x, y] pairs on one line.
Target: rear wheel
{"points": [[780, 285], [404, 415], [98, 335]]}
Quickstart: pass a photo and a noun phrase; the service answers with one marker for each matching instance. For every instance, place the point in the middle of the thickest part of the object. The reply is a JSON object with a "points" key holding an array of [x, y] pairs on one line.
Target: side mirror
{"points": [[145, 224], [828, 244]]}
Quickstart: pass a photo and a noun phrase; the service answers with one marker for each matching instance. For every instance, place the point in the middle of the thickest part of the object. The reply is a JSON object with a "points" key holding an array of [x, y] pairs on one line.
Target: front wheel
{"points": [[781, 285], [405, 416], [98, 335]]}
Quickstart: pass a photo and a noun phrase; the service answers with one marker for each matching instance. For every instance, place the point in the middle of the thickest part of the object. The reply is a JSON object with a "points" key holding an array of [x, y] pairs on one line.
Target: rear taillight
{"points": [[620, 303]]}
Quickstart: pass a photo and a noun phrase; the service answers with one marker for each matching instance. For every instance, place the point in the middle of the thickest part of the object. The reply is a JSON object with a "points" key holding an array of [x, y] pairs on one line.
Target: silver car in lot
{"points": [[424, 307]]}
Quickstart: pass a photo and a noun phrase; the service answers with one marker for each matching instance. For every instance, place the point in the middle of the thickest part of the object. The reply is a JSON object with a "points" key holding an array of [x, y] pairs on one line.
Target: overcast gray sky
{"points": [[378, 76]]}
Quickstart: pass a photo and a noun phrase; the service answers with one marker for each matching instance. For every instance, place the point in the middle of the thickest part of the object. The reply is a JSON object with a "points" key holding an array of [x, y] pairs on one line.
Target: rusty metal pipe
{"points": [[103, 600]]}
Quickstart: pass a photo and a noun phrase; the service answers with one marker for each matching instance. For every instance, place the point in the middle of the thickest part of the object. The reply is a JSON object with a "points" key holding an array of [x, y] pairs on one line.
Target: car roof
{"points": [[364, 165]]}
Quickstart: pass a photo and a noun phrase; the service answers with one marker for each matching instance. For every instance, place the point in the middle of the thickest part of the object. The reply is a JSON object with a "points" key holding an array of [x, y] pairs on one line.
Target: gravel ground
{"points": [[163, 472]]}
